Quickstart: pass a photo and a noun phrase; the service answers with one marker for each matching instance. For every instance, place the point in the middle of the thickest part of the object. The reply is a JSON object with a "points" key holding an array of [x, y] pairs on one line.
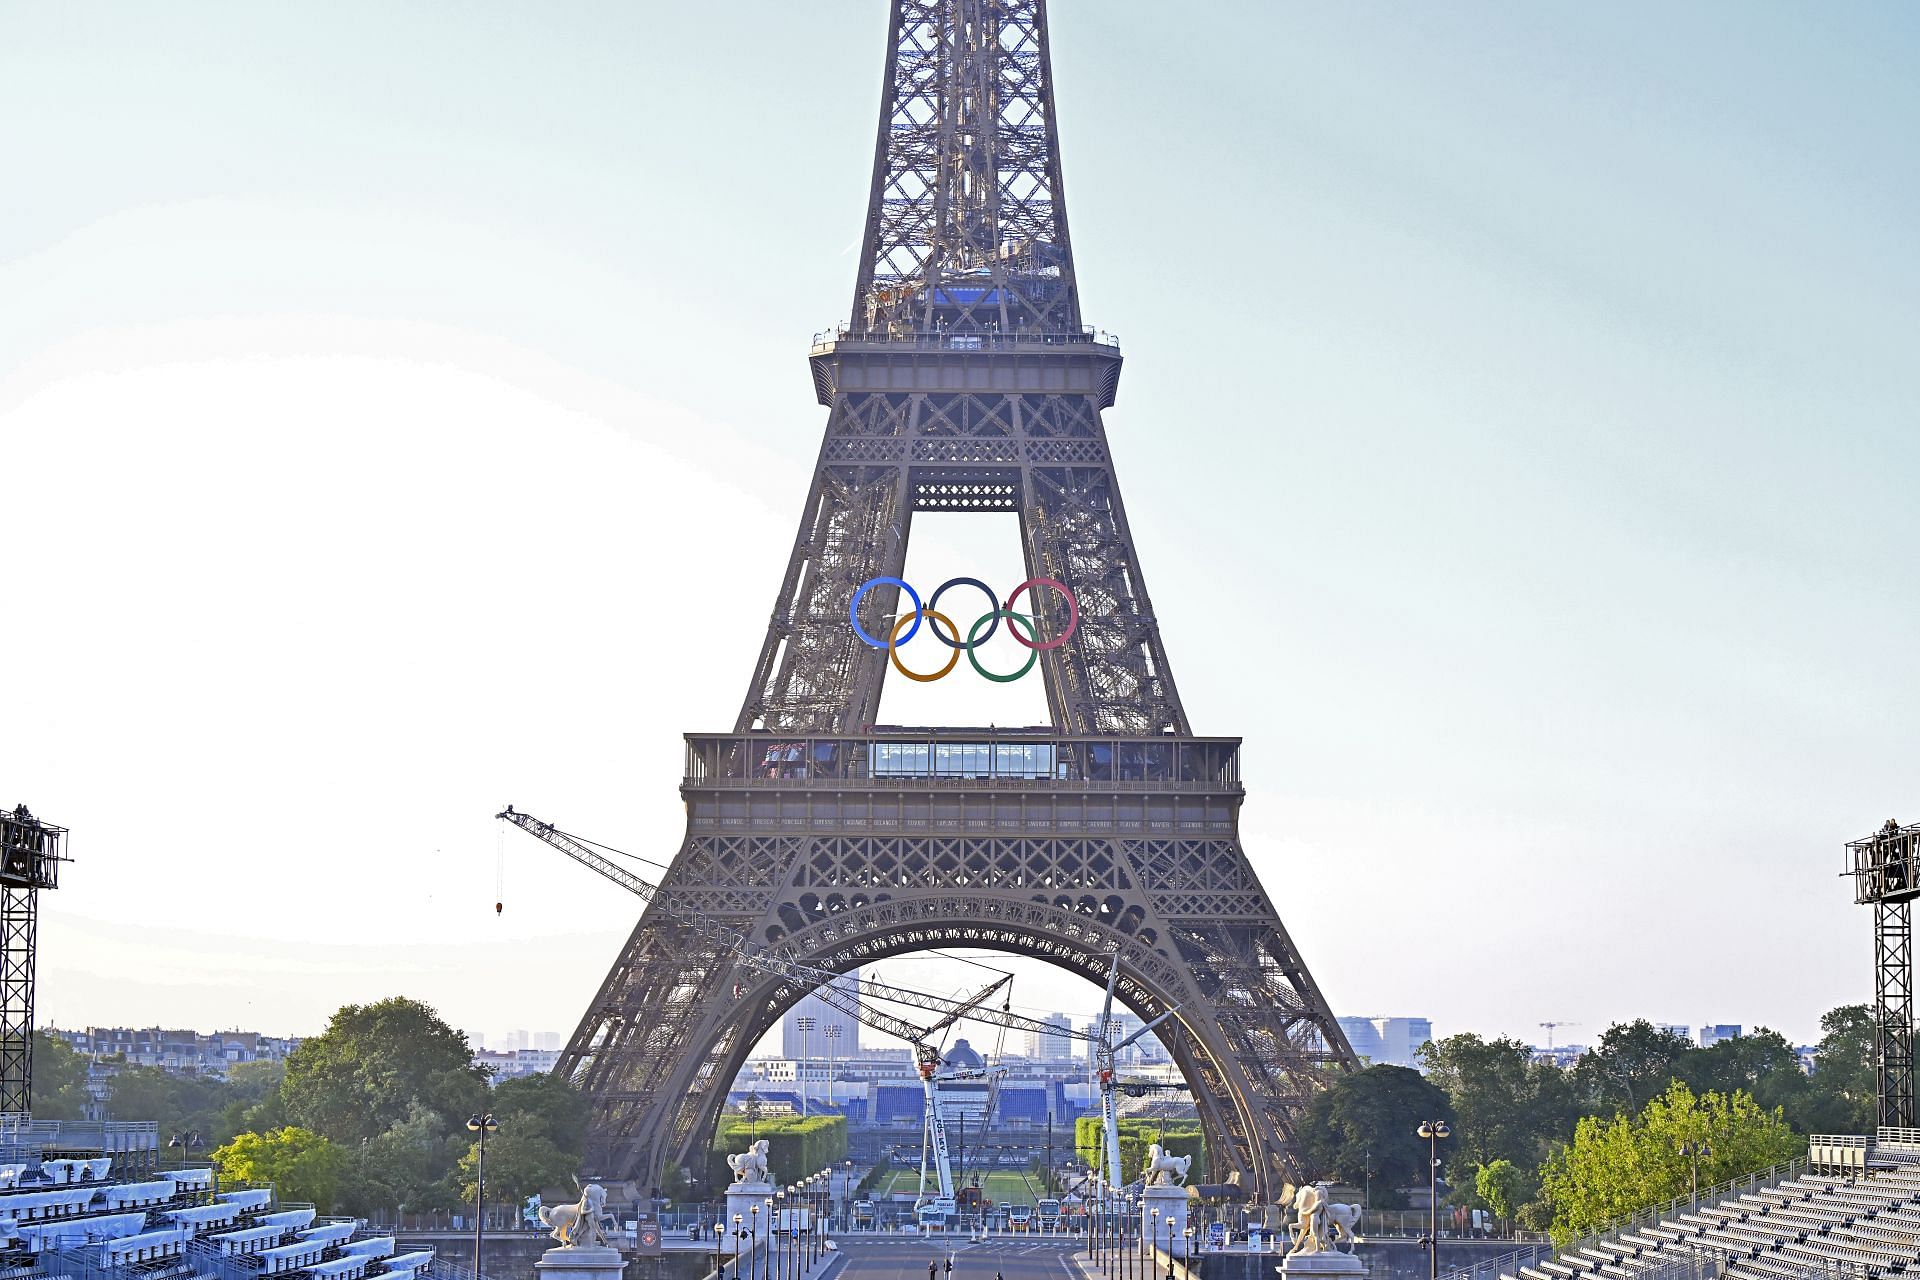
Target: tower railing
{"points": [[829, 340]]}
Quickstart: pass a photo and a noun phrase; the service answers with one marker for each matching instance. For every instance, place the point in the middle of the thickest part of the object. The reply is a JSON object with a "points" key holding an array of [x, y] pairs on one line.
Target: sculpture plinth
{"points": [[580, 1262], [1163, 1219], [1322, 1265], [750, 1205]]}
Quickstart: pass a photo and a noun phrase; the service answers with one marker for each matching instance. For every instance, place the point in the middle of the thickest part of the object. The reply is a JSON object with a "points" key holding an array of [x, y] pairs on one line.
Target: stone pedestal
{"points": [[742, 1199], [1323, 1266], [580, 1262], [1172, 1204]]}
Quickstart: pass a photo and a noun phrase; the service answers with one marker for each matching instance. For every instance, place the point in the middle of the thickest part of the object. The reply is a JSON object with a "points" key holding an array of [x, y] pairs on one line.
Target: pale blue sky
{"points": [[1519, 428]]}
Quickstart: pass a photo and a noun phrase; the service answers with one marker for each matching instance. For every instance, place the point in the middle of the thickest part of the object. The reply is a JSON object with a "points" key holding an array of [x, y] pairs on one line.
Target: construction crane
{"points": [[1100, 1061], [765, 959], [1550, 1026], [852, 999]]}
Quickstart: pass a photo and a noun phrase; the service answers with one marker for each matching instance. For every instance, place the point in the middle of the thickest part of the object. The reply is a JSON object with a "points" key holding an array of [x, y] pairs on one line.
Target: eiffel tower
{"points": [[963, 380]]}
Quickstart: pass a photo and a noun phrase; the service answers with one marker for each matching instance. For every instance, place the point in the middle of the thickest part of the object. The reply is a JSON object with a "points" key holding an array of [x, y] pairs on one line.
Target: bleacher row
{"points": [[67, 1218], [1865, 1226]]}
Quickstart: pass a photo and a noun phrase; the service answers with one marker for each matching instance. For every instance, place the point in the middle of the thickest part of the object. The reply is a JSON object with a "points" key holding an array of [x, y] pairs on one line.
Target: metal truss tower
{"points": [[1883, 867], [963, 380], [30, 857]]}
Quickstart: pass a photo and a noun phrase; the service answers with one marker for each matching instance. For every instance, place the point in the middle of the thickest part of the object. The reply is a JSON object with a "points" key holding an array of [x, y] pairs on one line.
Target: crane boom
{"points": [[770, 962]]}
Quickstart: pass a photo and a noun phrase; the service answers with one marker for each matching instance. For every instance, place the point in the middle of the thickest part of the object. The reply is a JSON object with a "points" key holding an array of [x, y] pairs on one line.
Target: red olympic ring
{"points": [[1073, 612]]}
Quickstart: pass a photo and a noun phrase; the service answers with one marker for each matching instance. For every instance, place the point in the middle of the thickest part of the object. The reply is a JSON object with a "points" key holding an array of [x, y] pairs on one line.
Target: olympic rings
{"points": [[907, 625], [893, 649]]}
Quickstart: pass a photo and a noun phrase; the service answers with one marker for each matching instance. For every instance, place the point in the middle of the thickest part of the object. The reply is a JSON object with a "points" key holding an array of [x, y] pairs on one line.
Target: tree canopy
{"points": [[374, 1065], [299, 1163], [1363, 1128], [1619, 1166], [58, 1090]]}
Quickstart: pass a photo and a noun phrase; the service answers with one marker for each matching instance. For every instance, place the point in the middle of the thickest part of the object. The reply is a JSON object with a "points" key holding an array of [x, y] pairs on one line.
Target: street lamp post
{"points": [[186, 1142], [1189, 1252], [483, 1124], [805, 1027], [1433, 1131], [1691, 1152], [1149, 1238], [757, 1258], [739, 1245], [846, 1188]]}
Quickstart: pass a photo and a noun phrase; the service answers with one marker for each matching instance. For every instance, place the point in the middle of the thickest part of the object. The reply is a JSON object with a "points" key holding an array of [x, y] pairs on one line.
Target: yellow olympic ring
{"points": [[893, 650]]}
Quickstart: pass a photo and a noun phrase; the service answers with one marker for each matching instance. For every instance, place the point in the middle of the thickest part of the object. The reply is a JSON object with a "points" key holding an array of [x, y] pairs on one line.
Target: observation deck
{"points": [[963, 780], [1036, 361]]}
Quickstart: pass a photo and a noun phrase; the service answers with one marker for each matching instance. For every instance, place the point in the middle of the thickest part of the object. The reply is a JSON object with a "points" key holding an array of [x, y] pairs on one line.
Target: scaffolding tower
{"points": [[1882, 866], [31, 852]]}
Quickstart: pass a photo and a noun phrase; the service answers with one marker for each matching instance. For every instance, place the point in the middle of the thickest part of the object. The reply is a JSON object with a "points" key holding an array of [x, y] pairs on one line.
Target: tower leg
{"points": [[19, 911], [1893, 1012]]}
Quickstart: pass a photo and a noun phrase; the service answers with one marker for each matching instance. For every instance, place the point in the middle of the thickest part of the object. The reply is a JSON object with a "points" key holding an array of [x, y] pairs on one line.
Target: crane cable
{"points": [[499, 870]]}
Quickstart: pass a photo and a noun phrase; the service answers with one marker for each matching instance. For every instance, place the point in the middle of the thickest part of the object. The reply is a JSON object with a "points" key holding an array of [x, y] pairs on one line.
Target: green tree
{"points": [[1630, 1066], [374, 1065], [178, 1103], [410, 1165], [253, 1103], [543, 1104], [518, 1165], [1505, 1187], [1506, 1106], [1365, 1124], [298, 1163], [1761, 1063], [59, 1087], [1843, 1088], [1619, 1166]]}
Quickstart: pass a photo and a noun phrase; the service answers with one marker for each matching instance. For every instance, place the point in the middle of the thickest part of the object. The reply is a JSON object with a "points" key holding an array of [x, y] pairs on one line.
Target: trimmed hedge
{"points": [[1176, 1137], [796, 1148]]}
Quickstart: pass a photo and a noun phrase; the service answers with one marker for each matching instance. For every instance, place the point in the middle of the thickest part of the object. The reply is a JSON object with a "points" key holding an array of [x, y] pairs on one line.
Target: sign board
{"points": [[1216, 1235], [647, 1240]]}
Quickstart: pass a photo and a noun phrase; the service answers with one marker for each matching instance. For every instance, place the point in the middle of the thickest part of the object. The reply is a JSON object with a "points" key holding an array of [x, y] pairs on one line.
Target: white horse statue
{"points": [[750, 1165], [1164, 1169], [577, 1226], [1320, 1225]]}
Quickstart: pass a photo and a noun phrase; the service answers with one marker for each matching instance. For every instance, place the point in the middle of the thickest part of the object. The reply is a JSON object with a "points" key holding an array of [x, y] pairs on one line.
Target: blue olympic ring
{"points": [[853, 610]]}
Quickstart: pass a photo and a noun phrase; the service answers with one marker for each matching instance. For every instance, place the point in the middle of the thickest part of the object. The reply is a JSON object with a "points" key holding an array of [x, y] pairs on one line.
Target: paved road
{"points": [[1011, 1258]]}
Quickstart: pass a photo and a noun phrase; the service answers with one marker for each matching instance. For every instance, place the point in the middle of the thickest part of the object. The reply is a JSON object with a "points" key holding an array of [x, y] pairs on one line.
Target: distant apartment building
{"points": [[507, 1064], [1388, 1041], [1054, 1044], [1680, 1029], [177, 1051], [815, 1029], [1714, 1034], [547, 1040]]}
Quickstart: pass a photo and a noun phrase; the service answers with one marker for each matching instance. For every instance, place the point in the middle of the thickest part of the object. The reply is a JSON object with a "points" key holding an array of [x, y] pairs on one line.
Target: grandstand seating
{"points": [[1865, 1224], [78, 1217]]}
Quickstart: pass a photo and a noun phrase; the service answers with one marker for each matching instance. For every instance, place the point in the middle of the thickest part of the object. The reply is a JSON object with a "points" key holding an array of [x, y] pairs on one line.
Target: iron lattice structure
{"points": [[30, 857], [1883, 867], [964, 380]]}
